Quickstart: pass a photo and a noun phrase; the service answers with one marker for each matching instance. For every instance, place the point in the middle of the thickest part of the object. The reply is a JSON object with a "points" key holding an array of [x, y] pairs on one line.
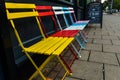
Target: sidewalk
{"points": [[101, 58]]}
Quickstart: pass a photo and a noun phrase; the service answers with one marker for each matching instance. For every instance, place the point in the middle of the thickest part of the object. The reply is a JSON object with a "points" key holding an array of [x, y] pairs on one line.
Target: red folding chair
{"points": [[46, 11]]}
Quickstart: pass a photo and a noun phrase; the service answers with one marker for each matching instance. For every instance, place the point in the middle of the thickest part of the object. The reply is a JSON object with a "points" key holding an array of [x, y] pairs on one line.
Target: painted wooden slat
{"points": [[50, 44], [56, 46], [63, 46], [47, 47], [19, 5], [21, 15], [43, 8], [41, 46], [79, 24], [83, 21], [71, 8], [35, 46], [56, 8], [59, 12], [66, 33], [67, 8], [50, 13], [68, 12], [64, 8], [75, 28]]}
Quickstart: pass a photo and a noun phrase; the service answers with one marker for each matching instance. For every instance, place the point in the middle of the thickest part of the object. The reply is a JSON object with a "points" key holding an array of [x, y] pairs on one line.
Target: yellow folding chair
{"points": [[51, 46]]}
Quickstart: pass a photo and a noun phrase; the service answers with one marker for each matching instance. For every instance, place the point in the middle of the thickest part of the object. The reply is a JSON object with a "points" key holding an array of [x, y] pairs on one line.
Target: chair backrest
{"points": [[70, 11], [19, 12], [46, 13], [63, 11], [69, 15]]}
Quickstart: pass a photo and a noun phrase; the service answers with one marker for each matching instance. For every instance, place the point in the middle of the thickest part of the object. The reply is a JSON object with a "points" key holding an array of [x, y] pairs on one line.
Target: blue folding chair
{"points": [[58, 11]]}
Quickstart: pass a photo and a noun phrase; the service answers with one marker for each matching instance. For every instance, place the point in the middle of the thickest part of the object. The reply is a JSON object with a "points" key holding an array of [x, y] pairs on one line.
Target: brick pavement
{"points": [[101, 58]]}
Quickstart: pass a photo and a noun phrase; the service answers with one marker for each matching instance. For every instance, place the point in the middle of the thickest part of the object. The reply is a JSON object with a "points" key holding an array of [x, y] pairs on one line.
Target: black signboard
{"points": [[94, 12]]}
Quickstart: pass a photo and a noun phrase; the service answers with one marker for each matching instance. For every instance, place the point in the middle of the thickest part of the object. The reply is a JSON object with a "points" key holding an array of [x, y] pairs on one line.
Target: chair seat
{"points": [[83, 21], [66, 33], [79, 25], [75, 27], [51, 45]]}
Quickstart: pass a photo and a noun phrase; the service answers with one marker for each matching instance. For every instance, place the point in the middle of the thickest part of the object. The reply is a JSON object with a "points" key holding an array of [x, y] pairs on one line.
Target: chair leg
{"points": [[80, 42], [61, 62], [83, 37], [37, 68], [75, 56], [76, 50], [68, 67], [69, 64]]}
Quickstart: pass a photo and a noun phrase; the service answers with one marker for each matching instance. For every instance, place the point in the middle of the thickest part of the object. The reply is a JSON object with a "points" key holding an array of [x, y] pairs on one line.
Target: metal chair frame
{"points": [[51, 46]]}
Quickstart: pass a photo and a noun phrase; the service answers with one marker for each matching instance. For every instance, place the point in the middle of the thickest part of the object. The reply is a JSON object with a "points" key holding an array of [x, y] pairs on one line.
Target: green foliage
{"points": [[116, 4], [105, 4]]}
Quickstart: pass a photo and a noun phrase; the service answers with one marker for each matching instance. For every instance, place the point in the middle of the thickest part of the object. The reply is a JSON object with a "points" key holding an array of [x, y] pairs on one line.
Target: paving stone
{"points": [[105, 33], [116, 42], [52, 74], [119, 36], [90, 32], [104, 28], [92, 28], [84, 55], [112, 72], [102, 57], [98, 29], [110, 37], [111, 31], [97, 26], [90, 36], [98, 33], [60, 74], [111, 48], [89, 40], [118, 55], [97, 36], [68, 78], [115, 34], [117, 31], [87, 70], [99, 41], [96, 47], [94, 36]]}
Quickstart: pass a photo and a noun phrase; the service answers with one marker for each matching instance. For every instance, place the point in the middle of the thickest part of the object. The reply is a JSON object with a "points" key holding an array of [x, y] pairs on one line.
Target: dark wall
{"points": [[6, 54]]}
